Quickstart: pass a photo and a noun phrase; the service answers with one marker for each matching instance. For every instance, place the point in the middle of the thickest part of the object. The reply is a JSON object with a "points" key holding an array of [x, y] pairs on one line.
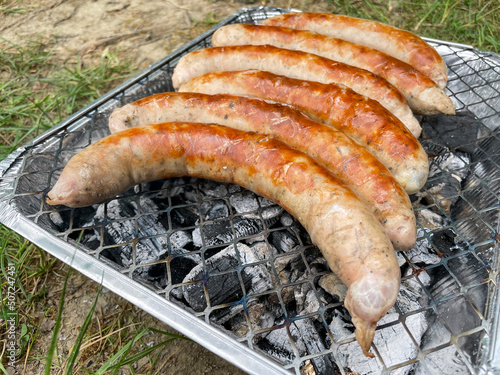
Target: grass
{"points": [[37, 92], [474, 22]]}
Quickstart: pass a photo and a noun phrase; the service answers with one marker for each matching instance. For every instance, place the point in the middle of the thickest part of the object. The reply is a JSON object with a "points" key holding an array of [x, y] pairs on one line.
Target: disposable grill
{"points": [[240, 276]]}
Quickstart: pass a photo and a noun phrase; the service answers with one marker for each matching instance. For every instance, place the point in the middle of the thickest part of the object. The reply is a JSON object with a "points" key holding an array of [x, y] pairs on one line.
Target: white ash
{"points": [[393, 343], [455, 163], [299, 293], [260, 251], [213, 189], [286, 219], [56, 218], [430, 219], [244, 202], [219, 210], [179, 239], [248, 204], [281, 262], [307, 301], [232, 188], [421, 252]]}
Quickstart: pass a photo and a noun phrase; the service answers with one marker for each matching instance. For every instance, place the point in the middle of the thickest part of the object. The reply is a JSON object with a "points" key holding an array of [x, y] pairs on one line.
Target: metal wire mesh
{"points": [[250, 269]]}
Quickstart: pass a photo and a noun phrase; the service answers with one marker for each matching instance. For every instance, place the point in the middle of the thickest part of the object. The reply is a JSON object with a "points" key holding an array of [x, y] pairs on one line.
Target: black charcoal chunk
{"points": [[445, 242], [284, 241], [219, 210], [223, 284], [457, 132], [180, 267], [182, 217], [220, 232]]}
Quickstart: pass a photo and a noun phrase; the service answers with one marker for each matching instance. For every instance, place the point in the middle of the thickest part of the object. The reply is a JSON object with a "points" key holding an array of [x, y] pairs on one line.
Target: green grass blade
{"points": [[57, 326], [78, 342], [125, 349], [144, 353]]}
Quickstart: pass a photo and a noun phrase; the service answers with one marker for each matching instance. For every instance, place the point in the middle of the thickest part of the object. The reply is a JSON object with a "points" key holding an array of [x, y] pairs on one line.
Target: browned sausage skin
{"points": [[422, 94], [295, 64], [362, 119], [351, 239], [401, 44], [349, 161]]}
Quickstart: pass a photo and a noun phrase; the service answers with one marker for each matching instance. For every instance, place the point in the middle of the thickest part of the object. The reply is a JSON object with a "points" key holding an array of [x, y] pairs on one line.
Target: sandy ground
{"points": [[143, 31]]}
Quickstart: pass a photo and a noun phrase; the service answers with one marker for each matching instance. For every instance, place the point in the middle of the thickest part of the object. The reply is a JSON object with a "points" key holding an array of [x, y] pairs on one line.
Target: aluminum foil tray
{"points": [[240, 276]]}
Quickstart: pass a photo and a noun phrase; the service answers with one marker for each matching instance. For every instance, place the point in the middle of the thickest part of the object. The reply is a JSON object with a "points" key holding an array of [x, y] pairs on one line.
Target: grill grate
{"points": [[240, 276]]}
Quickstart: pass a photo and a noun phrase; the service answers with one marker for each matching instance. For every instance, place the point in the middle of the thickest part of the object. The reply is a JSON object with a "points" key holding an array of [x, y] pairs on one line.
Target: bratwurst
{"points": [[294, 64], [349, 161], [360, 118], [401, 44], [350, 237], [422, 94]]}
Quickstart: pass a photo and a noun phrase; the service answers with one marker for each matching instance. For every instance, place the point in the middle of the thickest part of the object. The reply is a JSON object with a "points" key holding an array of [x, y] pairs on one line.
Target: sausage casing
{"points": [[351, 239], [295, 64], [348, 160], [401, 44], [422, 94], [365, 121]]}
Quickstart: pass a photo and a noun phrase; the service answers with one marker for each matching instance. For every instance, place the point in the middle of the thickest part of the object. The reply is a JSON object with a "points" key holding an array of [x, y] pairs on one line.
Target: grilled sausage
{"points": [[401, 44], [295, 64], [349, 161], [422, 94], [360, 118], [351, 239]]}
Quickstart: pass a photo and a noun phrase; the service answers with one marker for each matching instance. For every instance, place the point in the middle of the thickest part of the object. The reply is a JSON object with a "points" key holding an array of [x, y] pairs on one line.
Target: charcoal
{"points": [[182, 263], [244, 202], [308, 305], [260, 251], [219, 210], [284, 241], [180, 239], [332, 284], [184, 216], [432, 148], [455, 132], [286, 219], [213, 189], [455, 163], [260, 314], [444, 361], [306, 339], [443, 190], [445, 242], [225, 287], [220, 232], [277, 344], [446, 175], [247, 204], [392, 342], [422, 253], [112, 216]]}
